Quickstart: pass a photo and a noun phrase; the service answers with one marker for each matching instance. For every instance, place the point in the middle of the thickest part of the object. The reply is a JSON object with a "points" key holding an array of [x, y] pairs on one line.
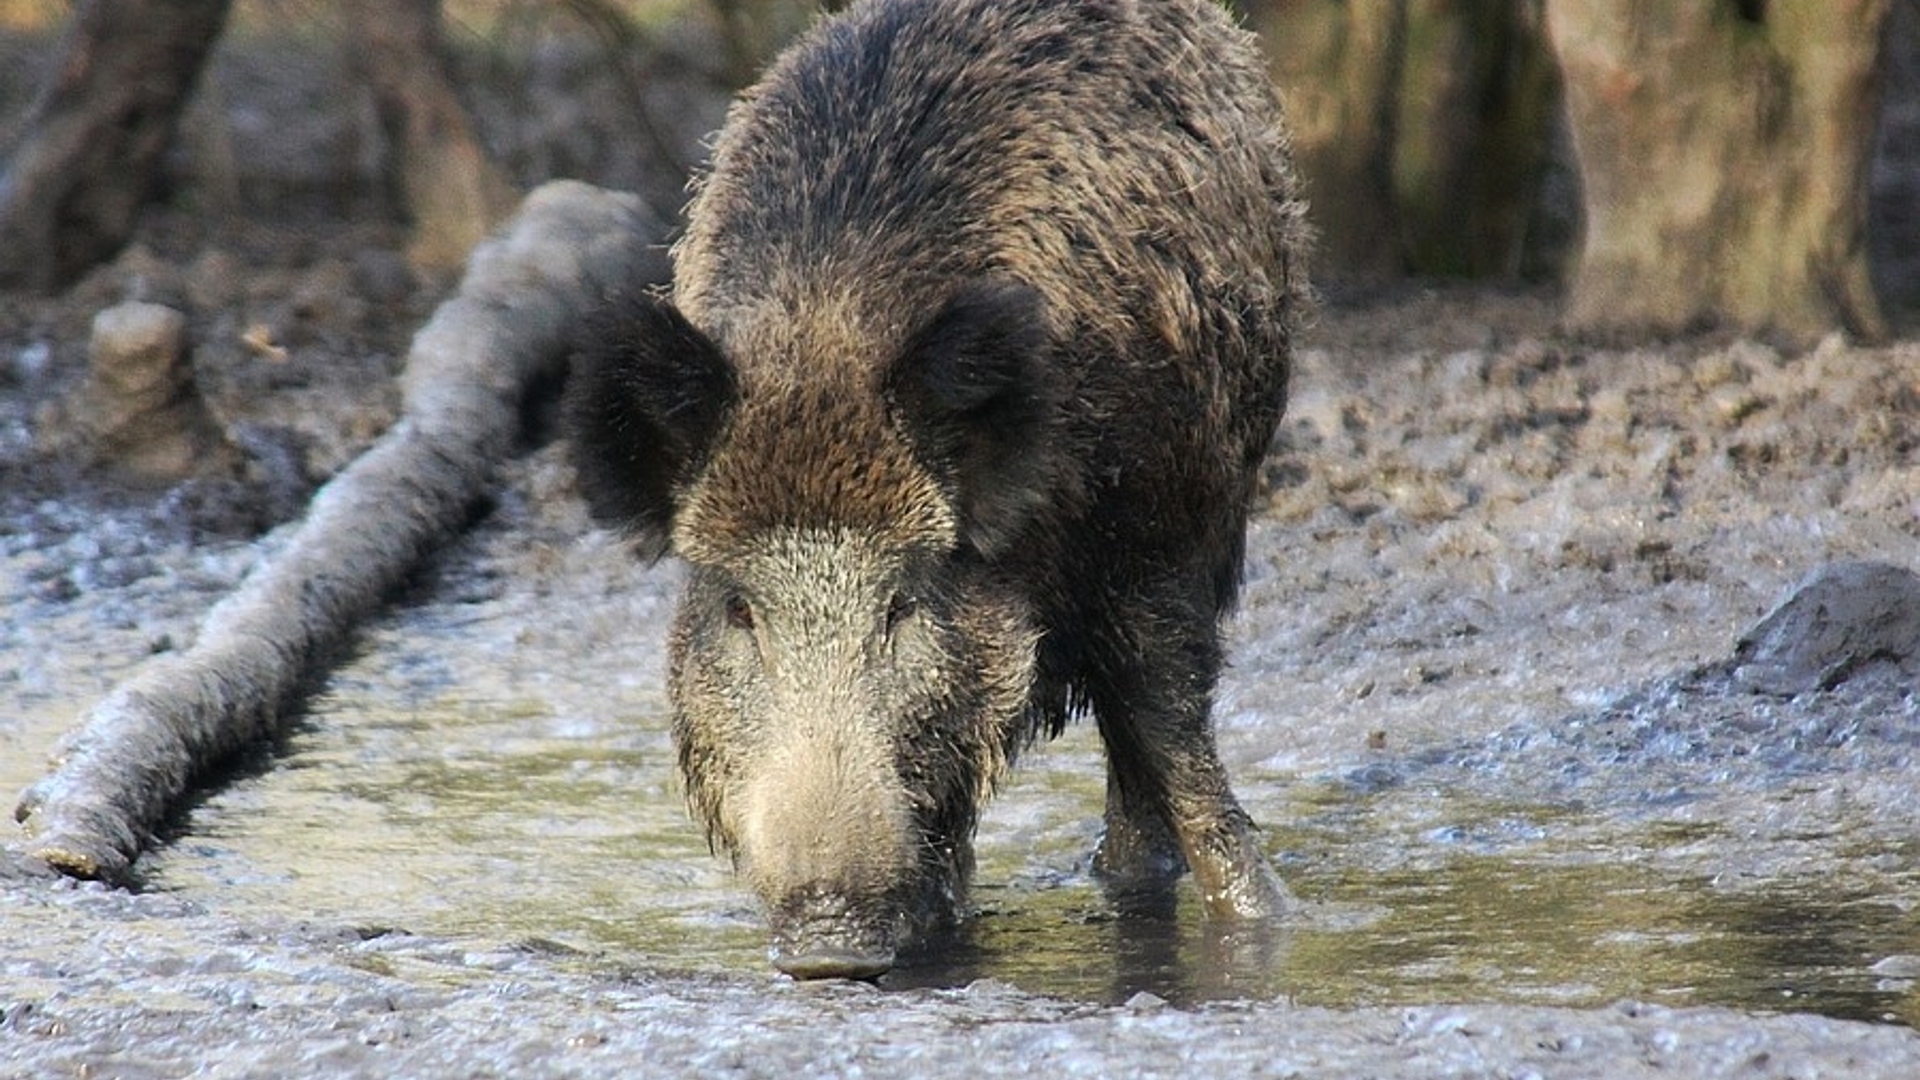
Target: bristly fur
{"points": [[978, 390], [979, 332], [647, 394], [801, 457]]}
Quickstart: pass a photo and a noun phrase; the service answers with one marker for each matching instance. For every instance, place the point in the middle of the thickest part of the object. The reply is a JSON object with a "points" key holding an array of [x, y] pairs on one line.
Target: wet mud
{"points": [[1564, 789]]}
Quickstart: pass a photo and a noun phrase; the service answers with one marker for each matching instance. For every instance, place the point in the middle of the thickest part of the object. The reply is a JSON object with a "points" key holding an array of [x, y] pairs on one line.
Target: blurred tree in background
{"points": [[453, 191], [754, 30], [1423, 128], [1724, 152], [86, 160], [1672, 162], [1722, 147]]}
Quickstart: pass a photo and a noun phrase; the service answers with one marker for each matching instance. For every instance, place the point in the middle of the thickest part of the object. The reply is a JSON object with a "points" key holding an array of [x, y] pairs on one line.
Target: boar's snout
{"points": [[820, 934], [827, 842]]}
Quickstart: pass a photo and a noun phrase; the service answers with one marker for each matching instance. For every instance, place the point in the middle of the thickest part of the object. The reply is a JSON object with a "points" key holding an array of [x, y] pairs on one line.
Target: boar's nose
{"points": [[820, 961], [821, 935]]}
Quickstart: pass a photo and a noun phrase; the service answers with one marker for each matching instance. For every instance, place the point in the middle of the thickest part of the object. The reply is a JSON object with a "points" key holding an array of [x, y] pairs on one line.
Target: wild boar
{"points": [[979, 332]]}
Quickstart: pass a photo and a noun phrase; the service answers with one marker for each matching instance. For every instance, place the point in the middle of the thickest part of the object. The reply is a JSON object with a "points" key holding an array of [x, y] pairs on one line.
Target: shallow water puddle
{"points": [[510, 822], [1584, 935], [1476, 929]]}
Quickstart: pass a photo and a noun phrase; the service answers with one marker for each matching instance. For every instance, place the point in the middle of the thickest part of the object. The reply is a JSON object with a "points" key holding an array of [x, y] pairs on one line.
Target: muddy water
{"points": [[507, 821], [1468, 701], [492, 766]]}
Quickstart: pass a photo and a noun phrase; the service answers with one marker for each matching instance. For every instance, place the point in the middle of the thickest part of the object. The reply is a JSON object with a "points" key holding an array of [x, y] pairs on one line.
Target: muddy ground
{"points": [[1482, 699], [1474, 699]]}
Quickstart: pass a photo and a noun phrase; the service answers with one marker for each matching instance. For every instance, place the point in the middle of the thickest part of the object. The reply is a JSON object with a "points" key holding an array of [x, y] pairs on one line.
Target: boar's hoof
{"points": [[823, 936]]}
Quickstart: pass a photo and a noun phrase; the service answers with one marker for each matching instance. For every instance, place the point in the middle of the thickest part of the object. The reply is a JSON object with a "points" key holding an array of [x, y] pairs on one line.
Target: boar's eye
{"points": [[899, 610], [739, 612]]}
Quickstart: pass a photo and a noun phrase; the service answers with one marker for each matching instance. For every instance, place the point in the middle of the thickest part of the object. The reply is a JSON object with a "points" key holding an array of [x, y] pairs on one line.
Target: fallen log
{"points": [[166, 728]]}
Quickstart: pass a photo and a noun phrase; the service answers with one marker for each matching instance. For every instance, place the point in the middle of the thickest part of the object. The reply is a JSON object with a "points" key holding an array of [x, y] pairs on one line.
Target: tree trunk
{"points": [[754, 31], [1893, 210], [87, 158], [1475, 110], [1723, 149], [1336, 64], [1421, 127], [452, 189]]}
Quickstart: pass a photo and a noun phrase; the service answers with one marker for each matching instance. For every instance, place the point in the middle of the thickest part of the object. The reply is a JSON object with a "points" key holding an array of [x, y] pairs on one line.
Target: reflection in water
{"points": [[1097, 955], [1812, 951], [1476, 929], [1586, 934], [523, 823]]}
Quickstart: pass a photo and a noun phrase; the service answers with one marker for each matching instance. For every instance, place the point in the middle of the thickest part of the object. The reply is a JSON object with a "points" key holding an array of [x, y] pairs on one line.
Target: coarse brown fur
{"points": [[979, 332]]}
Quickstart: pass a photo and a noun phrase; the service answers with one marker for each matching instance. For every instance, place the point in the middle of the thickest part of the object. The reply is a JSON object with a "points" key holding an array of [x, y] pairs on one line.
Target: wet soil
{"points": [[1486, 699], [1483, 700]]}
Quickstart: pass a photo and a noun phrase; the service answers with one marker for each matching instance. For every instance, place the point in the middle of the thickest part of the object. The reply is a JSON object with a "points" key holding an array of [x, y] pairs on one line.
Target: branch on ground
{"points": [[179, 718]]}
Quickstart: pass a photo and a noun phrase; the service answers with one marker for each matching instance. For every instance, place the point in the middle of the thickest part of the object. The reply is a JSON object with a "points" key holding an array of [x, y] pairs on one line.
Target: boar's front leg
{"points": [[1168, 799]]}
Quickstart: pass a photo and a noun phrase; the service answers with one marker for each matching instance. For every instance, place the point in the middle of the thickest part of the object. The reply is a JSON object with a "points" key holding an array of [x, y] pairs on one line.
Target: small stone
{"points": [[1899, 966], [1842, 617], [139, 413]]}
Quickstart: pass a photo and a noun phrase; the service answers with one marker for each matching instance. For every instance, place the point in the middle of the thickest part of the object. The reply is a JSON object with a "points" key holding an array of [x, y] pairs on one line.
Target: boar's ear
{"points": [[979, 397], [646, 395]]}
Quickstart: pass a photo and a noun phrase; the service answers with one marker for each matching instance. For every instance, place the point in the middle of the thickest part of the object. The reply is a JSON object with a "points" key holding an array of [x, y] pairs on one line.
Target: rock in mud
{"points": [[139, 414], [1842, 619]]}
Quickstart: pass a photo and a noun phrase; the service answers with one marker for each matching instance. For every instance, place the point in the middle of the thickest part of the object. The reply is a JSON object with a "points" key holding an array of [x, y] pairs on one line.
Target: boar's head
{"points": [[851, 662]]}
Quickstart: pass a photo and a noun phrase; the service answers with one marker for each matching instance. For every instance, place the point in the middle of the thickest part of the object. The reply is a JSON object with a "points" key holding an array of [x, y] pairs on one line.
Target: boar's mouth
{"points": [[819, 934]]}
